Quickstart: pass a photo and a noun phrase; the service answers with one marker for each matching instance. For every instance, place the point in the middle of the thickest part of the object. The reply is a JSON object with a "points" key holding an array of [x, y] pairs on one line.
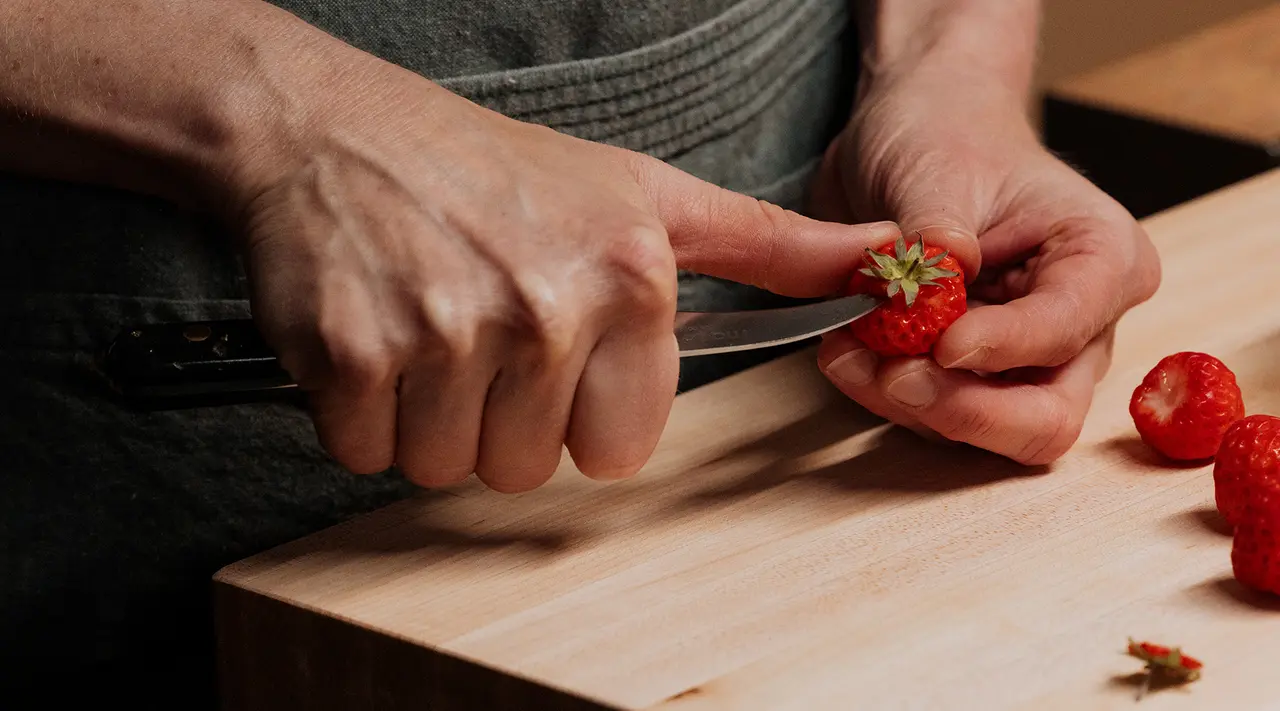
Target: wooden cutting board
{"points": [[785, 550]]}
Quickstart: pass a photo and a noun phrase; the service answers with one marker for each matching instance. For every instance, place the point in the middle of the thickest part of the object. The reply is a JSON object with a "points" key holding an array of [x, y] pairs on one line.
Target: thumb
{"points": [[936, 215], [732, 236]]}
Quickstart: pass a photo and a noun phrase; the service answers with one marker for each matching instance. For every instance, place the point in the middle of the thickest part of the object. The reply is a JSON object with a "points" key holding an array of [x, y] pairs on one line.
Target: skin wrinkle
{"points": [[773, 215], [1040, 450]]}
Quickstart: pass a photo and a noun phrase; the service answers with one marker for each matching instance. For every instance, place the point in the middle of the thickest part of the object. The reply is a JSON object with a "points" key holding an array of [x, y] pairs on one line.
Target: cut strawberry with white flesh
{"points": [[1185, 404]]}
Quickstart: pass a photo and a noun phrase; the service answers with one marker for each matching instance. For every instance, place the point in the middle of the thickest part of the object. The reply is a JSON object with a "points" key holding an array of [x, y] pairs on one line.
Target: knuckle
{"points": [[454, 330], [358, 364], [971, 425], [777, 217], [777, 224], [1071, 328], [643, 267], [1067, 347], [1057, 432], [548, 318], [1150, 272]]}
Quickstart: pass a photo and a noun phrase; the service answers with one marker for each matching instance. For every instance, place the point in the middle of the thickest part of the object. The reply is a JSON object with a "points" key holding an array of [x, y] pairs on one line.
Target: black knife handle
{"points": [[162, 362]]}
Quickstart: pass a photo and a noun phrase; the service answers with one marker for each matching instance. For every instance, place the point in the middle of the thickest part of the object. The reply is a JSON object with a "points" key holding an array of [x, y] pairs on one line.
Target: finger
{"points": [[357, 428], [945, 211], [827, 200], [724, 234], [441, 408], [349, 375], [622, 402], [1029, 422], [354, 411], [963, 245], [335, 353], [853, 369], [526, 419], [948, 218], [1077, 290], [942, 204]]}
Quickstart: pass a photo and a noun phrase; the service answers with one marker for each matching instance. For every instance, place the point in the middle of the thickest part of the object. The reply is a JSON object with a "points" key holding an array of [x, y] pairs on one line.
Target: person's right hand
{"points": [[463, 293]]}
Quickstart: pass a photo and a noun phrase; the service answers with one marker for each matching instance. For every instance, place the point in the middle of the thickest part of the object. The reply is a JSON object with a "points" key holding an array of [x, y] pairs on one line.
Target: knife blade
{"points": [[711, 332], [229, 360]]}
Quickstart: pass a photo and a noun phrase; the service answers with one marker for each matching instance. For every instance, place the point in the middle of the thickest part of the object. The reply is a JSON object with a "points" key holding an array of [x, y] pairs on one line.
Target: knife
{"points": [[165, 363]]}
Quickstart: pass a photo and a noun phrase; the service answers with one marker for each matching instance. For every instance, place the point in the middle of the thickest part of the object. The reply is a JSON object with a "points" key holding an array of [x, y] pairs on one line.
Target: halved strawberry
{"points": [[1185, 404]]}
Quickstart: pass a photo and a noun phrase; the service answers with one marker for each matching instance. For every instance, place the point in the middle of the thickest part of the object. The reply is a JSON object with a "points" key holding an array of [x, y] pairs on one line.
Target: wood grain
{"points": [[1224, 80], [785, 550]]}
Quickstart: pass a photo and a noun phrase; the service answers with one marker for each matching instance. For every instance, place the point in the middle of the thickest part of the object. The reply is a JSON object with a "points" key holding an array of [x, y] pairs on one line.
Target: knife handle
{"points": [[173, 363]]}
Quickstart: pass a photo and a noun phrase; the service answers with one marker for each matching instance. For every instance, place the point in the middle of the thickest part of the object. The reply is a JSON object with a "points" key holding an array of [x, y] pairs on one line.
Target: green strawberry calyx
{"points": [[1166, 659], [1163, 664], [906, 270]]}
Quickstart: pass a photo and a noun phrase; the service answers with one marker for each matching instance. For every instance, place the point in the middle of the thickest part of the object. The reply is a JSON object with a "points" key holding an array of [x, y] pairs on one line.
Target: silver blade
{"points": [[709, 333]]}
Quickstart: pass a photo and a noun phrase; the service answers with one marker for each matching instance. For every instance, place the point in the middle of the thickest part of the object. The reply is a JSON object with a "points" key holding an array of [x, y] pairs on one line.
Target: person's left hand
{"points": [[1053, 263]]}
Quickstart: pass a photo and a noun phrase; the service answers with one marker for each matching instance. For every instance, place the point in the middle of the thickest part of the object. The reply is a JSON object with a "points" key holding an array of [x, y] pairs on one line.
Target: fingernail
{"points": [[950, 230], [970, 359], [885, 227], [855, 367], [915, 389]]}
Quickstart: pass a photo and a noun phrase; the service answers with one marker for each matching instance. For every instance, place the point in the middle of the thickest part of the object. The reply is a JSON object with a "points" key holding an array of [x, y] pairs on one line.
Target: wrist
{"points": [[938, 91], [163, 98], [987, 46], [283, 80], [311, 103]]}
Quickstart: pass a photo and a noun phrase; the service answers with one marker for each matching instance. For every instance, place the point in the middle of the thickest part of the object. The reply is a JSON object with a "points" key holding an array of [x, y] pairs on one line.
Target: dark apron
{"points": [[113, 520]]}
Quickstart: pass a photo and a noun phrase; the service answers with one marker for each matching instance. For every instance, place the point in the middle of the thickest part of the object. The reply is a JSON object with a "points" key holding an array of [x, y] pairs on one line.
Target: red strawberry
{"points": [[925, 288], [1255, 546], [1248, 462], [1185, 404]]}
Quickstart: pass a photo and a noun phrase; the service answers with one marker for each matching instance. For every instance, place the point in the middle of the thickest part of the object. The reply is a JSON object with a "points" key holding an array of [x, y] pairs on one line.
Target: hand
{"points": [[460, 292], [1053, 264]]}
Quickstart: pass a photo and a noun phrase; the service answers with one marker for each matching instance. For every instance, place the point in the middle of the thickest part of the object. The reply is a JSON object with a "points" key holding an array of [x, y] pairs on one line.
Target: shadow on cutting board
{"points": [[1208, 519], [1157, 684], [900, 461], [1132, 447], [804, 457], [1232, 590], [419, 534]]}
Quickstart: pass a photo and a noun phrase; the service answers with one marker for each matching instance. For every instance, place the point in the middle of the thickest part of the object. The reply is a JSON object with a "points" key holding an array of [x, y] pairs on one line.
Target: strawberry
{"points": [[1185, 404], [1248, 461], [1255, 545], [925, 289], [1168, 664]]}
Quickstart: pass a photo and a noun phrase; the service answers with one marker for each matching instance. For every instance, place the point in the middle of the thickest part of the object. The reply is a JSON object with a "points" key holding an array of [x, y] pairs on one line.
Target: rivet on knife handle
{"points": [[191, 360]]}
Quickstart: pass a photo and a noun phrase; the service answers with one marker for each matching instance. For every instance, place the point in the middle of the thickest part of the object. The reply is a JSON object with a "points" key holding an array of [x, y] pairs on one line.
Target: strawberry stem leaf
{"points": [[906, 270]]}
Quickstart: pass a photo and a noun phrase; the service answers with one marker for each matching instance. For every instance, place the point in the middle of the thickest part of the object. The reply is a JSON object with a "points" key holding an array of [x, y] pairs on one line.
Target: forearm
{"points": [[989, 41], [154, 96]]}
